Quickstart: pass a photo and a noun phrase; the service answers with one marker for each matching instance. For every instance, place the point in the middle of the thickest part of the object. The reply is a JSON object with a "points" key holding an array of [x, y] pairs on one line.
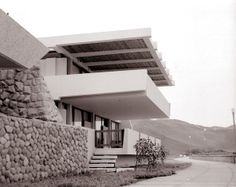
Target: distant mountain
{"points": [[179, 136]]}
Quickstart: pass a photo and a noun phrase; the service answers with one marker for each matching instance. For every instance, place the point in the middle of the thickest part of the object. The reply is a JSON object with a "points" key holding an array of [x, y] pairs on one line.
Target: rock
{"points": [[1, 124], [15, 151], [28, 136], [19, 76], [19, 86], [4, 95], [15, 96], [10, 81], [7, 144], [8, 128], [3, 140], [7, 158], [26, 162], [27, 90], [13, 104], [2, 132], [26, 98], [11, 89], [10, 74], [34, 97], [8, 165], [6, 102], [3, 74], [21, 105], [25, 177], [2, 179], [6, 137]]}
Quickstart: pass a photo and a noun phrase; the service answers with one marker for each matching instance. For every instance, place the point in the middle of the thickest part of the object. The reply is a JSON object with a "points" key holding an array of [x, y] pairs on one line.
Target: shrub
{"points": [[149, 153]]}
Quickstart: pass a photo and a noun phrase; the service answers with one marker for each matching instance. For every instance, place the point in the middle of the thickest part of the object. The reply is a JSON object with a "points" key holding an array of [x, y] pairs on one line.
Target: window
{"points": [[101, 123], [81, 117], [77, 117]]}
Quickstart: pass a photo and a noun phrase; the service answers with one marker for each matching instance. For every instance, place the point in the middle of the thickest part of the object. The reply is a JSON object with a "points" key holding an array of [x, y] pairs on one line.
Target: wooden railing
{"points": [[109, 138]]}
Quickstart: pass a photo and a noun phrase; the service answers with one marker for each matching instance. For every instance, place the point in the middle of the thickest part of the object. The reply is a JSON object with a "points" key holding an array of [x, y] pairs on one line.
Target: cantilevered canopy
{"points": [[118, 95], [112, 51]]}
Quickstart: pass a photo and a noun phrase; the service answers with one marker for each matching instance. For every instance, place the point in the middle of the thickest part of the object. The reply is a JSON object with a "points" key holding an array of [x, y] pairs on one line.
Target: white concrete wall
{"points": [[48, 66], [17, 44], [53, 66], [130, 139], [90, 142], [157, 97], [61, 66], [63, 115], [96, 83]]}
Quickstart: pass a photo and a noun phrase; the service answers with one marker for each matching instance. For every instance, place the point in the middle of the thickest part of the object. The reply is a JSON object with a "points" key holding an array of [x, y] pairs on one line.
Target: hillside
{"points": [[179, 136]]}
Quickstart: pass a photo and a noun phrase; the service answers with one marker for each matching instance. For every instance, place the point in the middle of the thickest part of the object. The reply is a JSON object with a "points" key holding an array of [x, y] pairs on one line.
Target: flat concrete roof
{"points": [[114, 51]]}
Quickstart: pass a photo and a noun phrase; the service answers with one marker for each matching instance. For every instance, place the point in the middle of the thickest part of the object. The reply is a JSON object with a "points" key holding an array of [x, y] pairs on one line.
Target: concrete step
{"points": [[103, 169], [101, 165], [124, 169], [102, 161], [105, 157]]}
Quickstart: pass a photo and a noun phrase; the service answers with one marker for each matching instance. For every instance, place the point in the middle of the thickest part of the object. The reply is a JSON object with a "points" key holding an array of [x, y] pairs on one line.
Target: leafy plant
{"points": [[149, 153]]}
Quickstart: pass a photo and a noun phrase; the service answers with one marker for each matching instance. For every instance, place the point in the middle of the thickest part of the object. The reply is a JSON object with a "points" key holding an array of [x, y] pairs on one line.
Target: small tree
{"points": [[148, 152]]}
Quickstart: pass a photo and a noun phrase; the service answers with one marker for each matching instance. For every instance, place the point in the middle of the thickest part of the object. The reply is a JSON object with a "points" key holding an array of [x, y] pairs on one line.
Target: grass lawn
{"points": [[101, 178]]}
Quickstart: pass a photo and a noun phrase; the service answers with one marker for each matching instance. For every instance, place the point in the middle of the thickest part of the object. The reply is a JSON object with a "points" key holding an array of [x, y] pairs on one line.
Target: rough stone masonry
{"points": [[23, 93], [32, 149], [33, 143]]}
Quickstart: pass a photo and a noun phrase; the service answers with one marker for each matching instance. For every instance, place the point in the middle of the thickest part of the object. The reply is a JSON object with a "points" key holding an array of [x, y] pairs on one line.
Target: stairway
{"points": [[103, 162]]}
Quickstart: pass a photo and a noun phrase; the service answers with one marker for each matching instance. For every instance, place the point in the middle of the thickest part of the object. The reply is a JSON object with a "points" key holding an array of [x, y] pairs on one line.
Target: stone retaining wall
{"points": [[24, 93], [32, 149]]}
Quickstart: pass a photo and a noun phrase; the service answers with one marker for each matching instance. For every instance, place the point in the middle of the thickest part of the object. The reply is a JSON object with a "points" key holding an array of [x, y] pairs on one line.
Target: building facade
{"points": [[96, 80], [99, 79]]}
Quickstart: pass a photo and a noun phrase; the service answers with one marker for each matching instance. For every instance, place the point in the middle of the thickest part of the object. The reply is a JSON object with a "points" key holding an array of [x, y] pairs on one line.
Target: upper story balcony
{"points": [[119, 95]]}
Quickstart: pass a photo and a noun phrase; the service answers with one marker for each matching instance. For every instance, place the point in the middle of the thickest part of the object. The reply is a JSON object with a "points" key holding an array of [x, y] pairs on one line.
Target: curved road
{"points": [[200, 174]]}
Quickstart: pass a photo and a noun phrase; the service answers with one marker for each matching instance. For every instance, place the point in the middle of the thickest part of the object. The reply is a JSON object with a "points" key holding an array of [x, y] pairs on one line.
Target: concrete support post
{"points": [[93, 121], [69, 66], [109, 132], [69, 114]]}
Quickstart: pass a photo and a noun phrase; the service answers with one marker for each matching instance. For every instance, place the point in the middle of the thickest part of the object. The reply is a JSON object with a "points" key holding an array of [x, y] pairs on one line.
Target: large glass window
{"points": [[77, 117], [81, 117], [87, 119], [101, 123]]}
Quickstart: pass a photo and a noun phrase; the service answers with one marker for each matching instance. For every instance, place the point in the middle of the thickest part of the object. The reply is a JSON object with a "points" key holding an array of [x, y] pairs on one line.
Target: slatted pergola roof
{"points": [[113, 51]]}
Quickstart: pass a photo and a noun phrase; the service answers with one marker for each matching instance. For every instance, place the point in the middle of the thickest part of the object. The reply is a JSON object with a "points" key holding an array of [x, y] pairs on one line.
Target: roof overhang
{"points": [[113, 51], [120, 95]]}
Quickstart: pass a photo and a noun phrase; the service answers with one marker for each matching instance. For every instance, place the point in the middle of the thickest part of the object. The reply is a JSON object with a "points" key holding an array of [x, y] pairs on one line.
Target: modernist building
{"points": [[96, 80], [100, 79]]}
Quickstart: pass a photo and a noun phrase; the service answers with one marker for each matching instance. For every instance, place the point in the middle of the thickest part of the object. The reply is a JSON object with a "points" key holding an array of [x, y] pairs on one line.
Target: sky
{"points": [[197, 39]]}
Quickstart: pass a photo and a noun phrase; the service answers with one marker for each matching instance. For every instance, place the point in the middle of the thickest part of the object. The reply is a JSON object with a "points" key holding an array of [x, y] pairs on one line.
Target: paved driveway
{"points": [[200, 174]]}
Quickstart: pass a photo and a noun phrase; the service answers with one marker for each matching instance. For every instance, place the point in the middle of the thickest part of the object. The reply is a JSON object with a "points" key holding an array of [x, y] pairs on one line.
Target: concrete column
{"points": [[69, 114], [69, 66], [93, 121], [110, 134]]}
